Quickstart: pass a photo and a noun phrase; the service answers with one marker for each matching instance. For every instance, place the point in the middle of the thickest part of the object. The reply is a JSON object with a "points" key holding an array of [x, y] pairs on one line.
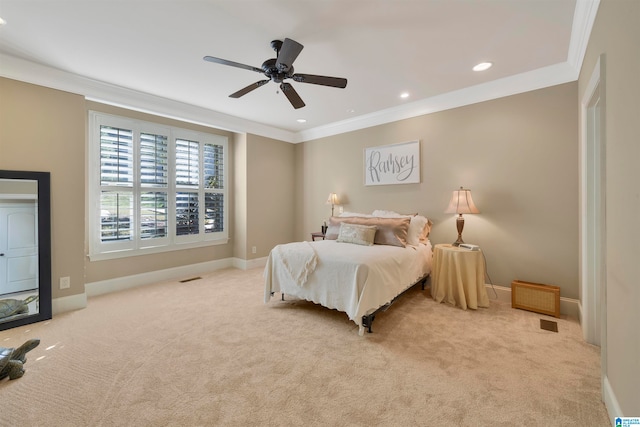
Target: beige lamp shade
{"points": [[461, 203]]}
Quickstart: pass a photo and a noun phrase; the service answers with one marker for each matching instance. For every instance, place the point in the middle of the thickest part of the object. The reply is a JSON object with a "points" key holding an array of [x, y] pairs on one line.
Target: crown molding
{"points": [[94, 90], [512, 85], [584, 18]]}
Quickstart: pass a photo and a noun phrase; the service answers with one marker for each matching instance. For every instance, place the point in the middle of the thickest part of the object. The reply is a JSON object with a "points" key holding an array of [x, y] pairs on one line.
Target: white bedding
{"points": [[351, 278]]}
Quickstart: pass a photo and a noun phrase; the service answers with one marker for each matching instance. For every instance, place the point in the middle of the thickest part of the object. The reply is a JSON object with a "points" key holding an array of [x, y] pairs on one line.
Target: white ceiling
{"points": [[147, 54]]}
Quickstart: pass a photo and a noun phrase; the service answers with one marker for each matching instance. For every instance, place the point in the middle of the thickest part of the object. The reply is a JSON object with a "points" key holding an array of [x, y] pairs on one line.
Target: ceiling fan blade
{"points": [[320, 80], [292, 95], [288, 53], [233, 64], [249, 88]]}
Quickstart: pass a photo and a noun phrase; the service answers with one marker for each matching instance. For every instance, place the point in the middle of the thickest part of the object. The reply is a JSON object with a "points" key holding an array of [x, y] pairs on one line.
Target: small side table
{"points": [[317, 235], [458, 277]]}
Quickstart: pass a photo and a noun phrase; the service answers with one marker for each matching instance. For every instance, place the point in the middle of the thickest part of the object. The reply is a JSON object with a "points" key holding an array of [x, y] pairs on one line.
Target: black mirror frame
{"points": [[44, 246]]}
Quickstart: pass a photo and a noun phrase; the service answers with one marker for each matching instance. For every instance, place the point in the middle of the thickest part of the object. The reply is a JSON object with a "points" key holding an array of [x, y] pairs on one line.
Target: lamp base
{"points": [[460, 227]]}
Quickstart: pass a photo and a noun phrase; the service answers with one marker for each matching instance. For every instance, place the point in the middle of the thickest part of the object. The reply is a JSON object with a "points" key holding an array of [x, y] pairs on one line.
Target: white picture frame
{"points": [[392, 164]]}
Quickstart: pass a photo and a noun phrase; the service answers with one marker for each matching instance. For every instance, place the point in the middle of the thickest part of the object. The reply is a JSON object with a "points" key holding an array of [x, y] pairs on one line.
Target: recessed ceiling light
{"points": [[482, 66], [351, 110], [301, 120], [404, 95], [2, 21]]}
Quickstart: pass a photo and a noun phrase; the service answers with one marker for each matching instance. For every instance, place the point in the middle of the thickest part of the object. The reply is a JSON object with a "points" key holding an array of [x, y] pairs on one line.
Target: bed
{"points": [[356, 272]]}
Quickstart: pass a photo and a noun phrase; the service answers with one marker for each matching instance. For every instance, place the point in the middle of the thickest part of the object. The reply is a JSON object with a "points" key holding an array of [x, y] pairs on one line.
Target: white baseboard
{"points": [[568, 306], [610, 401], [182, 272], [70, 303], [79, 301], [248, 264]]}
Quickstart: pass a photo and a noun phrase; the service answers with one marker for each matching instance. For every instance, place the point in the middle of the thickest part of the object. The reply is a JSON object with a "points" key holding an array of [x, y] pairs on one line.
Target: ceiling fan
{"points": [[280, 68]]}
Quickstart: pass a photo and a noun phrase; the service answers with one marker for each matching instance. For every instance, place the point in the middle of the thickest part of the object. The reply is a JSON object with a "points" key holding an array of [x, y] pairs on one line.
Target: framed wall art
{"points": [[392, 164]]}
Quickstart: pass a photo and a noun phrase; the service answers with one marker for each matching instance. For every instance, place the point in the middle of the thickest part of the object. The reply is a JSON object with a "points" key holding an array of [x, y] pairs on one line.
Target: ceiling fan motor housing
{"points": [[271, 71]]}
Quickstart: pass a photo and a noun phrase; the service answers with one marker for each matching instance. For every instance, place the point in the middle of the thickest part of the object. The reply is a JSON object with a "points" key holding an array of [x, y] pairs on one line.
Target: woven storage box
{"points": [[536, 297]]}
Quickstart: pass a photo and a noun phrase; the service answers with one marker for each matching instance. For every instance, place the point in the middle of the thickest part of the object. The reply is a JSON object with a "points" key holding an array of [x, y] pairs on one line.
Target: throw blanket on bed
{"points": [[299, 259]]}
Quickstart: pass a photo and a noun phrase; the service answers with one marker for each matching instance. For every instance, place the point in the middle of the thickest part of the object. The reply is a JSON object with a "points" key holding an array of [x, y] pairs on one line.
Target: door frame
{"points": [[593, 289]]}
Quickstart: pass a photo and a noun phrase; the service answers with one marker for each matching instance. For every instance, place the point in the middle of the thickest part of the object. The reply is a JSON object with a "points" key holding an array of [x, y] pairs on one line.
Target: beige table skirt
{"points": [[458, 277]]}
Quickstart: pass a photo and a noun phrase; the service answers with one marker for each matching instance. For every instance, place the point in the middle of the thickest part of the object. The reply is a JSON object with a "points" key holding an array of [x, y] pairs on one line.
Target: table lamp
{"points": [[461, 203]]}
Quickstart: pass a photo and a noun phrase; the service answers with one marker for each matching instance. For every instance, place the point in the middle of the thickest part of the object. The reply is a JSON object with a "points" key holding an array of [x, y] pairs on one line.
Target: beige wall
{"points": [[44, 130], [616, 34], [518, 155], [270, 179], [240, 196]]}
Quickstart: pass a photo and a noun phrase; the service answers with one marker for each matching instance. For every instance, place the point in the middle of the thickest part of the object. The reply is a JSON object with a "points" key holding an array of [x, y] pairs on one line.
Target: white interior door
{"points": [[18, 247]]}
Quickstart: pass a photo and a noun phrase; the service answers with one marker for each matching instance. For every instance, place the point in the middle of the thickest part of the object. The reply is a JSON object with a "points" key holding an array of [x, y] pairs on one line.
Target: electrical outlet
{"points": [[65, 282], [253, 250]]}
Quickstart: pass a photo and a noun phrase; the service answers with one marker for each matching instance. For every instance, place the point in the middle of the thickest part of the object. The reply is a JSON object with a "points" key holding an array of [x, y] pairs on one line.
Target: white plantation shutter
{"points": [[214, 212], [153, 187], [187, 167], [116, 156], [213, 166], [214, 188], [153, 215], [154, 160], [154, 175], [116, 170]]}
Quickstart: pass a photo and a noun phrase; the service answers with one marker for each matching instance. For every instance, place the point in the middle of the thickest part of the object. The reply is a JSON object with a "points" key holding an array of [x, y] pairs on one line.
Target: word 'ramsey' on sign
{"points": [[392, 164]]}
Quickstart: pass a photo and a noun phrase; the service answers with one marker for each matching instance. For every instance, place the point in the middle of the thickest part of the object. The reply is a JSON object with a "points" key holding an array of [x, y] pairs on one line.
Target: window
{"points": [[154, 188]]}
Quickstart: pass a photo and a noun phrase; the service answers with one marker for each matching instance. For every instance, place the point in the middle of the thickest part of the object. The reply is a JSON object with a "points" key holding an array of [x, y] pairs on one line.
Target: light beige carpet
{"points": [[210, 353]]}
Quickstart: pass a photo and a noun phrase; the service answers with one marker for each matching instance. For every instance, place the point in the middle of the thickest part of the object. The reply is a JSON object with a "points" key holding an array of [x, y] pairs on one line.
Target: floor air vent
{"points": [[549, 325], [536, 297]]}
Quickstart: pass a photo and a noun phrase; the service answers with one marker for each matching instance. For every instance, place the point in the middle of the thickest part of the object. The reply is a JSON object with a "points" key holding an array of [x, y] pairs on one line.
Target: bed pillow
{"points": [[357, 234], [390, 214], [391, 231], [419, 228], [424, 237], [352, 214]]}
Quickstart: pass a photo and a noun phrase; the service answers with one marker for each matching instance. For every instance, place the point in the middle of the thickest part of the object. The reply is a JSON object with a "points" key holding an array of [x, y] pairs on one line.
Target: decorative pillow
{"points": [[333, 229], [391, 231], [356, 233], [419, 228]]}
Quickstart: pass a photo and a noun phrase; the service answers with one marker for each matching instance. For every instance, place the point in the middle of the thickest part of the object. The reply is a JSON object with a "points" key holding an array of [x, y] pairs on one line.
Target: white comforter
{"points": [[351, 278]]}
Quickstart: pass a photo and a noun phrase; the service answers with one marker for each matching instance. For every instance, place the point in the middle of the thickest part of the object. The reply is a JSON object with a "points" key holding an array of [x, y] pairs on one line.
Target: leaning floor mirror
{"points": [[25, 248]]}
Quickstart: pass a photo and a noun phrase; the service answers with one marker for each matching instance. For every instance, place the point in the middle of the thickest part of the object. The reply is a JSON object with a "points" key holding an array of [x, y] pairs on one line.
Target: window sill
{"points": [[127, 253]]}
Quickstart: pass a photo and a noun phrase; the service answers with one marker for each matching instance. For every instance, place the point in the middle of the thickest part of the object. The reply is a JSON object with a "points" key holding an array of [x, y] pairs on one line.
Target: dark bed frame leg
{"points": [[282, 297], [367, 320]]}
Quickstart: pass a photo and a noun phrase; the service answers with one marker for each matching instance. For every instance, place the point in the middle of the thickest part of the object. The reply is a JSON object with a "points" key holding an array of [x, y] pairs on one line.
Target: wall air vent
{"points": [[536, 297]]}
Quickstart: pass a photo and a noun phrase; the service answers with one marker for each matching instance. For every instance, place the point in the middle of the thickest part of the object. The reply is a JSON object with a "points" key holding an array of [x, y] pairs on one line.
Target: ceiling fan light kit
{"points": [[280, 68]]}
